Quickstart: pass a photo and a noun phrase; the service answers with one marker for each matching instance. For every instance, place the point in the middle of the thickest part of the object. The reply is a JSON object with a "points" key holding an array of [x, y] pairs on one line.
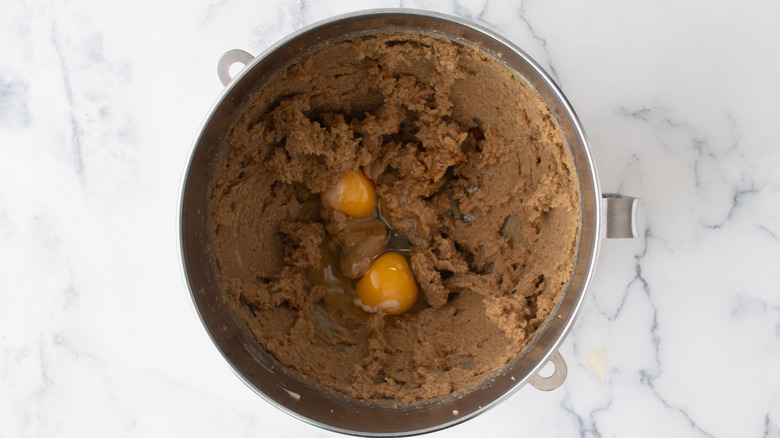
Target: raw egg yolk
{"points": [[352, 195], [388, 287]]}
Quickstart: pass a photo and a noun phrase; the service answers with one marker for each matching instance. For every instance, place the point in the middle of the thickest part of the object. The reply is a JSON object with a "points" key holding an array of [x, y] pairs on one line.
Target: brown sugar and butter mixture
{"points": [[475, 189]]}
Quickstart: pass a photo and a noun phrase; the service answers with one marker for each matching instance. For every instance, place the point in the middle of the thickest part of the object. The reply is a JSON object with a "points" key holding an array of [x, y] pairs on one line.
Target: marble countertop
{"points": [[100, 103]]}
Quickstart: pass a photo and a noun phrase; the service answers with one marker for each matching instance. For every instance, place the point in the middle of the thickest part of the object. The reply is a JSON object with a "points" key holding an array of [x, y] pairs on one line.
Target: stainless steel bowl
{"points": [[259, 370]]}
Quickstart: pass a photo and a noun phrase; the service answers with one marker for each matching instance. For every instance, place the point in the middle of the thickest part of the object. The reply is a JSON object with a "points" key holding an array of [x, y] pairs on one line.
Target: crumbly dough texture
{"points": [[469, 165]]}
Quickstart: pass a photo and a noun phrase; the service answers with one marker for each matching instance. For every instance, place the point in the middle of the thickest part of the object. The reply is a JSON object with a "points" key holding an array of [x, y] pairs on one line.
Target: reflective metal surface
{"points": [[620, 215], [228, 59], [554, 380], [260, 370]]}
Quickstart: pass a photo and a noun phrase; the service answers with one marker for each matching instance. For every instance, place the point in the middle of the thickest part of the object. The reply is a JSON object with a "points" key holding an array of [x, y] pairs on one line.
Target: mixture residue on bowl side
{"points": [[472, 175]]}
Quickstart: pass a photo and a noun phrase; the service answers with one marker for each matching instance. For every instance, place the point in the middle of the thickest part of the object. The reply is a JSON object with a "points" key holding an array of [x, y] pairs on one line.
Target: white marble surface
{"points": [[99, 104]]}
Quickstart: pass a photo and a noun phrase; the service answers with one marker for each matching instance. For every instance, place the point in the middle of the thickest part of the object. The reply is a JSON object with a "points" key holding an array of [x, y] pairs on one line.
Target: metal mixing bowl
{"points": [[259, 370]]}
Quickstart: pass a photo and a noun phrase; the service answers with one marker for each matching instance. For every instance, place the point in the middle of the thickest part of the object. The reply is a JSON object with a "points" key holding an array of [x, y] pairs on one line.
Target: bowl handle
{"points": [[619, 216], [557, 377], [235, 56]]}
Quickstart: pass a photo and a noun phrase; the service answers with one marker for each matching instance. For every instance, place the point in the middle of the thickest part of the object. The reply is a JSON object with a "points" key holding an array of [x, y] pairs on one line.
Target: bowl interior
{"points": [[229, 333]]}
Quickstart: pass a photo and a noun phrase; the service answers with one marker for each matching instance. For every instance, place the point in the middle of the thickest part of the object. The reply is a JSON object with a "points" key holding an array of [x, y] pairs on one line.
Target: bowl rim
{"points": [[288, 400]]}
